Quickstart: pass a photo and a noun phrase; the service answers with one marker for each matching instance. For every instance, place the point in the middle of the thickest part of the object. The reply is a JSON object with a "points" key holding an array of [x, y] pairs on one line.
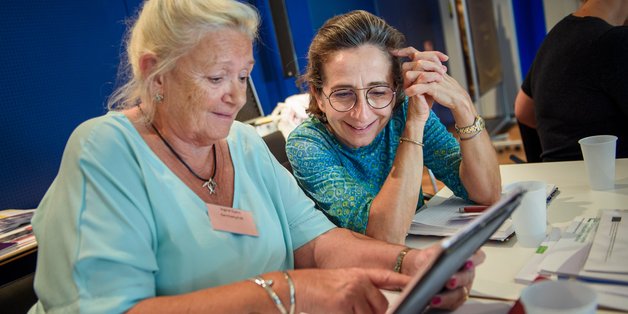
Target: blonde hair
{"points": [[169, 29], [346, 31]]}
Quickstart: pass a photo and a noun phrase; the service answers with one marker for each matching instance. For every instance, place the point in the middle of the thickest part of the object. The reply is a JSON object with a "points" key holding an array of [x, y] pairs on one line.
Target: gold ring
{"points": [[466, 292]]}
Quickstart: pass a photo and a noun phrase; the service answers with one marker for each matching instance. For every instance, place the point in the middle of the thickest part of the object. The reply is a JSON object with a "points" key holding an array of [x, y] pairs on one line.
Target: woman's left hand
{"points": [[425, 75], [422, 67], [456, 290], [446, 92]]}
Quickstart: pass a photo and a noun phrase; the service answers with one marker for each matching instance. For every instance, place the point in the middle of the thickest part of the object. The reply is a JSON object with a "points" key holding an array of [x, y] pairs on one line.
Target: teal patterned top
{"points": [[343, 181]]}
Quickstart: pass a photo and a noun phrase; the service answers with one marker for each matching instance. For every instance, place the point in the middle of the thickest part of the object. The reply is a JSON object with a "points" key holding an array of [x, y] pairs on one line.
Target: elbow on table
{"points": [[386, 233], [486, 196]]}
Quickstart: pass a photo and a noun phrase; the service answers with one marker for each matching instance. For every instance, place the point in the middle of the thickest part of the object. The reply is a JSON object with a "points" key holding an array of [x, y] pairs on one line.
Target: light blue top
{"points": [[343, 181], [117, 226]]}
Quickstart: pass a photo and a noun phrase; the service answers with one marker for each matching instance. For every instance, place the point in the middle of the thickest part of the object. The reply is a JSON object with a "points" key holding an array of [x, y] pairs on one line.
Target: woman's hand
{"points": [[423, 67], [456, 290], [450, 94], [347, 290], [425, 77]]}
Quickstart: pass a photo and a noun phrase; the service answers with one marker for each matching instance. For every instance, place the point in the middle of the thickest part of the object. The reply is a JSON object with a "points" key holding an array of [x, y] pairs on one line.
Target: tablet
{"points": [[457, 249]]}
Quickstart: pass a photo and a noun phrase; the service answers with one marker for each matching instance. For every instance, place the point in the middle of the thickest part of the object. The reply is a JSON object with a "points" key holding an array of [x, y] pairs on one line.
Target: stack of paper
{"points": [[10, 219], [591, 249], [15, 230], [605, 256], [609, 251], [531, 270], [445, 219]]}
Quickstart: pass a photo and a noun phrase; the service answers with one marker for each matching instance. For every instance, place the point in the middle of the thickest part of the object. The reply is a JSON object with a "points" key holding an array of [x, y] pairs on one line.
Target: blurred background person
{"points": [[577, 85]]}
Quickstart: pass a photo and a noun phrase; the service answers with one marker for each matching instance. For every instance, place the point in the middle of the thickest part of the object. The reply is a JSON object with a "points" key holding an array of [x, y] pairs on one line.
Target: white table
{"points": [[495, 277]]}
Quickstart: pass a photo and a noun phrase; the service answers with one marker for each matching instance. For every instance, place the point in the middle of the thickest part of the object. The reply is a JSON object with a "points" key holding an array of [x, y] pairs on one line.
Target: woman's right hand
{"points": [[345, 290], [456, 290]]}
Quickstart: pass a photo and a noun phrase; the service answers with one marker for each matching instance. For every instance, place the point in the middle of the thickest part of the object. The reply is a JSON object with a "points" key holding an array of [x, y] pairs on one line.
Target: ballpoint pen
{"points": [[472, 209]]}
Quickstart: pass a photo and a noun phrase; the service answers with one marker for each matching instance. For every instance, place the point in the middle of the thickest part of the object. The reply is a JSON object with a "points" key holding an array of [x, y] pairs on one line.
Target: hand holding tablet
{"points": [[451, 256]]}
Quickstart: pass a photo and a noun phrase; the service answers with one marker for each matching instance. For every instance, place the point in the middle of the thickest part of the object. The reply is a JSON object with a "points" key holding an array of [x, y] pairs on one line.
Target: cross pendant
{"points": [[211, 186]]}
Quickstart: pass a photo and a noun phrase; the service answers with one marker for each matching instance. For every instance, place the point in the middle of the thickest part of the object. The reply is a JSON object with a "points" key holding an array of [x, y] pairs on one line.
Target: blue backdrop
{"points": [[60, 58]]}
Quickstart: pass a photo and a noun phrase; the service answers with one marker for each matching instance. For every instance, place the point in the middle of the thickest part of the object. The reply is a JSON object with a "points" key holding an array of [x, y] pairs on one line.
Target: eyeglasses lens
{"points": [[378, 97]]}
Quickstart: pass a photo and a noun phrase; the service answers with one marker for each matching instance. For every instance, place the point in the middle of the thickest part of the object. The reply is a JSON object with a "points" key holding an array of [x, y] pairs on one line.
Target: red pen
{"points": [[472, 209]]}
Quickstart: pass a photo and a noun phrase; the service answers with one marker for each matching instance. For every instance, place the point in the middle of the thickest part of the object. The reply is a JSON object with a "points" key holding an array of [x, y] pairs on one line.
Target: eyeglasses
{"points": [[378, 97]]}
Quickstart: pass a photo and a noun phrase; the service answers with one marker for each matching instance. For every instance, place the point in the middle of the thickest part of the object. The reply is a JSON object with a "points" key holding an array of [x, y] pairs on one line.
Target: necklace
{"points": [[210, 184]]}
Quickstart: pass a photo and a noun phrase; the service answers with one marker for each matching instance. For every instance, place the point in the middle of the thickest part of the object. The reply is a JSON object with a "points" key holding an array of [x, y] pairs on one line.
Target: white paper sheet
{"points": [[609, 251]]}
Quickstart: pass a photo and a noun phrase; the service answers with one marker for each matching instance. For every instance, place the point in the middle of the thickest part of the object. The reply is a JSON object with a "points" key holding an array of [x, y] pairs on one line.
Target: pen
{"points": [[472, 209]]}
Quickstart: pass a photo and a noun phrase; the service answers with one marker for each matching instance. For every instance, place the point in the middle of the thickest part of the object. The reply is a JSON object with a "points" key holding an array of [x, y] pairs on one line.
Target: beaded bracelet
{"points": [[400, 258], [267, 285]]}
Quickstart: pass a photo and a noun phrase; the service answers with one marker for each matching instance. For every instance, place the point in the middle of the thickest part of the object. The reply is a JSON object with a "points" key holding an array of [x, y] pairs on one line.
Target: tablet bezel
{"points": [[416, 296]]}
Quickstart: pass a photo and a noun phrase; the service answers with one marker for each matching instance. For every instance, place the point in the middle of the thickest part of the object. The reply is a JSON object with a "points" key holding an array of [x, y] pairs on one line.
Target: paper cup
{"points": [[558, 297], [530, 218], [599, 160]]}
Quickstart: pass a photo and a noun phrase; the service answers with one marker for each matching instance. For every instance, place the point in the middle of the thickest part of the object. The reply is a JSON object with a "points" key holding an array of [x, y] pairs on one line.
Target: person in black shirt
{"points": [[578, 83]]}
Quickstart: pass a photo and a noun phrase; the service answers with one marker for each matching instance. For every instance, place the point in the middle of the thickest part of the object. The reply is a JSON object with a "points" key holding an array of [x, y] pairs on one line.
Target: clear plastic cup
{"points": [[559, 297], [530, 218], [599, 160]]}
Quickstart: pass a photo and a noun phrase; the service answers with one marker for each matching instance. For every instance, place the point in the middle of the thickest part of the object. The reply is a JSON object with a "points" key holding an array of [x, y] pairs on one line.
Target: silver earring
{"points": [[159, 97]]}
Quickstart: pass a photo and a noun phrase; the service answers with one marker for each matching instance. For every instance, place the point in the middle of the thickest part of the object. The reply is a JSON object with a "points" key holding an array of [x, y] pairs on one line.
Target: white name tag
{"points": [[231, 220]]}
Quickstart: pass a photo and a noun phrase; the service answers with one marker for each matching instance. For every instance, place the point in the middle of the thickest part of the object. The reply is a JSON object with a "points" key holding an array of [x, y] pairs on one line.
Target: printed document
{"points": [[441, 216], [445, 219], [568, 255], [609, 251]]}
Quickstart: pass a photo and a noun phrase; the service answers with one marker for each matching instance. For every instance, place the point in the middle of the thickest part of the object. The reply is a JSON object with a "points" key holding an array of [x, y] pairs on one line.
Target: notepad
{"points": [[444, 219]]}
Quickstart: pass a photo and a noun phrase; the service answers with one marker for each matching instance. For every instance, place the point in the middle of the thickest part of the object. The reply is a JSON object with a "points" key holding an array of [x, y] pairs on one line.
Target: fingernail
{"points": [[436, 300], [468, 265], [452, 283]]}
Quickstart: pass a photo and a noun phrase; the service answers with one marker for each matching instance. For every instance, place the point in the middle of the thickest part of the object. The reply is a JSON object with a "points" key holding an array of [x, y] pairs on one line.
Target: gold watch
{"points": [[477, 126]]}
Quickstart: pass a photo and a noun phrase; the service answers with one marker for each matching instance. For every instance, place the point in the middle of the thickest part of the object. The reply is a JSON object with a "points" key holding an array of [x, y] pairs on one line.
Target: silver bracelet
{"points": [[409, 140], [292, 293], [267, 285]]}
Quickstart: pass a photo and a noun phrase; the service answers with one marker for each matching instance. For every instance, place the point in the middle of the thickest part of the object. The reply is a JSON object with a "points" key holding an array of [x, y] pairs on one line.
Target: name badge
{"points": [[231, 220]]}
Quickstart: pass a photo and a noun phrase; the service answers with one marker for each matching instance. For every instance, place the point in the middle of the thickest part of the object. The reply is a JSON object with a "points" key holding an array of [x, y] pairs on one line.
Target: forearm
{"points": [[394, 206], [239, 297], [479, 169], [342, 248], [360, 251]]}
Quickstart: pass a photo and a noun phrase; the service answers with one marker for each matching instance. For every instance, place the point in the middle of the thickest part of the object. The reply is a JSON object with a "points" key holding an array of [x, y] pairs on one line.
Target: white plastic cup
{"points": [[559, 297], [599, 160], [530, 218]]}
